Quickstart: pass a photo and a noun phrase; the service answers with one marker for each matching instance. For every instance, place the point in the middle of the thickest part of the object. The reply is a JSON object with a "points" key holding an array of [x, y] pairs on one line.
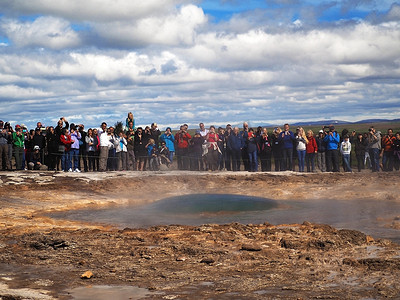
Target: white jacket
{"points": [[121, 141]]}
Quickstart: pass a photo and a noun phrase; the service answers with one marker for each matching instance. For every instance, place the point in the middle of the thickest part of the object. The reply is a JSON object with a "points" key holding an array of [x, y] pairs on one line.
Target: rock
{"points": [[251, 247], [180, 258], [207, 260], [370, 239], [87, 275]]}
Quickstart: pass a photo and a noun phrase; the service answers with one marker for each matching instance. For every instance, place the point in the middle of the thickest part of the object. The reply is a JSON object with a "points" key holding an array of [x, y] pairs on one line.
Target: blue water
{"points": [[369, 216]]}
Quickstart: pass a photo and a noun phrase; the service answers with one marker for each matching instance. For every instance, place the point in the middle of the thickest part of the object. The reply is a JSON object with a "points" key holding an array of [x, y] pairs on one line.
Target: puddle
{"points": [[196, 209], [107, 292]]}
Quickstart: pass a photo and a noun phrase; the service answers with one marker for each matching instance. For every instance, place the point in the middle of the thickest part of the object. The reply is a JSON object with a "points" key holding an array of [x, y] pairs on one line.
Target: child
{"points": [[345, 149], [152, 153], [164, 155], [122, 152]]}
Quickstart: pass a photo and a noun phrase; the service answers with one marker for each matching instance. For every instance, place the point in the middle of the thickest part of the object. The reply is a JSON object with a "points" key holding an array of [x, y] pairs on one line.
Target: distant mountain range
{"points": [[340, 122]]}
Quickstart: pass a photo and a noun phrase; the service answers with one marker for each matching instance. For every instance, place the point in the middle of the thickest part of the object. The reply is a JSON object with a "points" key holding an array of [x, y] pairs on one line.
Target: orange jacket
{"points": [[387, 143]]}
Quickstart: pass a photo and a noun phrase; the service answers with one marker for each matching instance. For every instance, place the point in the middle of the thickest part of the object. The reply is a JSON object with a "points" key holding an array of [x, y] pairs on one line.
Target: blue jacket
{"points": [[286, 140], [333, 141], [235, 142], [169, 141]]}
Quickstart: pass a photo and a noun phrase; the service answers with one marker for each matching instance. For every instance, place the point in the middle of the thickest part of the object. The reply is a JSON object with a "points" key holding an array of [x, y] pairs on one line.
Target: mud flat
{"points": [[45, 258]]}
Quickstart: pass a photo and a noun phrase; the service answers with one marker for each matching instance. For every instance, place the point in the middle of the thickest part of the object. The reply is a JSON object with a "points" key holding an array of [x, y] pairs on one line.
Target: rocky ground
{"points": [[44, 258]]}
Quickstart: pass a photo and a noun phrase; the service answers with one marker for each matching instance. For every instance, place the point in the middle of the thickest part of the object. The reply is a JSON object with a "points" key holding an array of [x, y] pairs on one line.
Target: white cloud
{"points": [[45, 32], [170, 65], [176, 28], [91, 10], [362, 43]]}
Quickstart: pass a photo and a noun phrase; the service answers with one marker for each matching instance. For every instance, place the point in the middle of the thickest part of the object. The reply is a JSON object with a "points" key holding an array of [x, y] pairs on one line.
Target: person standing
{"points": [[18, 143], [387, 150], [75, 138], [345, 149], [90, 149], [203, 131], [228, 155], [321, 157], [82, 148], [311, 151], [182, 148], [195, 152], [235, 146], [112, 162], [396, 151], [5, 163], [212, 139], [140, 149], [265, 148], [65, 139], [277, 149], [252, 149], [104, 143], [374, 147], [52, 142], [332, 140], [130, 146], [58, 130], [122, 152], [360, 144], [222, 149], [10, 131], [301, 143], [245, 155], [286, 138]]}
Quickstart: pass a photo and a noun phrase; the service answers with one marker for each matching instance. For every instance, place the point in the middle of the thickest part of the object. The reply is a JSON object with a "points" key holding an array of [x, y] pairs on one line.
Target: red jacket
{"points": [[311, 147], [66, 140], [182, 140]]}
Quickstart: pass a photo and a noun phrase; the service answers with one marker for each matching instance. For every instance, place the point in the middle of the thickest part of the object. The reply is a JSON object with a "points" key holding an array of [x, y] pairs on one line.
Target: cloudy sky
{"points": [[181, 61]]}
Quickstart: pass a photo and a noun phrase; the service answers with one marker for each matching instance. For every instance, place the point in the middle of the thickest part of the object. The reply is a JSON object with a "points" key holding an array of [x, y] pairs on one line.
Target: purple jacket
{"points": [[75, 137]]}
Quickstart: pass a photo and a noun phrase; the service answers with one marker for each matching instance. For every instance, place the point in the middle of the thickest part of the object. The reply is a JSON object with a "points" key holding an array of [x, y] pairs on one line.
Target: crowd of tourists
{"points": [[70, 148]]}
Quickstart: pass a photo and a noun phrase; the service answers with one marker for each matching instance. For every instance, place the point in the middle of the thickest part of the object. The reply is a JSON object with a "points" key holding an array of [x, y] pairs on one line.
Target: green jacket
{"points": [[18, 141]]}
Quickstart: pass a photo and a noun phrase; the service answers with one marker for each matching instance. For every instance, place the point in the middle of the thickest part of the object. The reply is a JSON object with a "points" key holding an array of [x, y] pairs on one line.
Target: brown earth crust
{"points": [[44, 258]]}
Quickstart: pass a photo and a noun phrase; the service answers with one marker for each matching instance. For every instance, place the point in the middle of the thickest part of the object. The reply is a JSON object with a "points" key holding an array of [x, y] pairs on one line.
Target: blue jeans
{"points": [[346, 161], [387, 161], [75, 157], [301, 155], [171, 155], [287, 159], [253, 161], [374, 156], [66, 161]]}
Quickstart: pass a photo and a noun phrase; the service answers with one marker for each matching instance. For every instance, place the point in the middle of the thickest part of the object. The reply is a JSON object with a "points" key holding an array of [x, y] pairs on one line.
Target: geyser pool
{"points": [[193, 209], [369, 216]]}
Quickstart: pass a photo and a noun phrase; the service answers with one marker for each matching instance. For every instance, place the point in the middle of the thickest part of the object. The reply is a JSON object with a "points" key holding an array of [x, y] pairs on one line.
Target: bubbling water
{"points": [[372, 217]]}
